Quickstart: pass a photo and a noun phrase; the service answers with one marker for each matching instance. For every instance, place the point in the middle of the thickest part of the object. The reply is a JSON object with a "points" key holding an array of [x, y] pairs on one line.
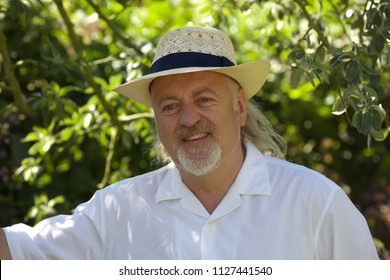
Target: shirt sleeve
{"points": [[343, 232], [60, 237]]}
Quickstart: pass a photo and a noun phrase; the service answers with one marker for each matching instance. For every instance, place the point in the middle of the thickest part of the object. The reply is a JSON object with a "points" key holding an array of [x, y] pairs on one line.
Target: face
{"points": [[199, 117]]}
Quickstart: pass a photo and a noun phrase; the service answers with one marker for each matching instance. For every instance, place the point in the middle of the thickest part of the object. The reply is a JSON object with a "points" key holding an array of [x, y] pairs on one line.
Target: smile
{"points": [[196, 137]]}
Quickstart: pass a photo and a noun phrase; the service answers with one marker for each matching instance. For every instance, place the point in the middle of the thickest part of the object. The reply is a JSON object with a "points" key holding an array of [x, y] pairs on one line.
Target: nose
{"points": [[189, 115]]}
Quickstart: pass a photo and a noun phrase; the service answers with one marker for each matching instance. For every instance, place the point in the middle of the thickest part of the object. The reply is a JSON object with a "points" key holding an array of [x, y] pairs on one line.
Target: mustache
{"points": [[199, 127]]}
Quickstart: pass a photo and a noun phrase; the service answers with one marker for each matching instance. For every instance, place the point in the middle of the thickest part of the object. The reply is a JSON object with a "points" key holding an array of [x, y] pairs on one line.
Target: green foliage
{"points": [[357, 61], [43, 207], [64, 133]]}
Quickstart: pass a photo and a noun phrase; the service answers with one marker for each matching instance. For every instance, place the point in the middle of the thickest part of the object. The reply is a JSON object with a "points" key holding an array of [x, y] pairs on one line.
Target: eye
{"points": [[205, 101], [169, 107]]}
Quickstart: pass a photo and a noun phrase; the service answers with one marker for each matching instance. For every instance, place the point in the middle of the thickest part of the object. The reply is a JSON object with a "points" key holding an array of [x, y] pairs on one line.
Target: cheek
{"points": [[228, 128], [166, 131]]}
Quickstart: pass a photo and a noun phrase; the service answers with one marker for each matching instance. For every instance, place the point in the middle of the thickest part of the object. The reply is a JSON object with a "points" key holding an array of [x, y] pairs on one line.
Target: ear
{"points": [[242, 105]]}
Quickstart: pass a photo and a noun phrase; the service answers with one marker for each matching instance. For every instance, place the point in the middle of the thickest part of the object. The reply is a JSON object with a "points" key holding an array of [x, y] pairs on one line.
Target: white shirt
{"points": [[273, 210]]}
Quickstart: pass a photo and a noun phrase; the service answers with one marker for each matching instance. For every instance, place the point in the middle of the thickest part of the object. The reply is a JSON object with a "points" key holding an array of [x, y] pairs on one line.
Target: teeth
{"points": [[196, 136]]}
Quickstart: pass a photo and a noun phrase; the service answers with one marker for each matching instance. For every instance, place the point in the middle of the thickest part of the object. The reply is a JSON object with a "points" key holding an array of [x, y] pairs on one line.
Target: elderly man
{"points": [[226, 192]]}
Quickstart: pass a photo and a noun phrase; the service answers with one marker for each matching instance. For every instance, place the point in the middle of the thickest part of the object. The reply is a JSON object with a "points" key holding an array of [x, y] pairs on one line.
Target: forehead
{"points": [[189, 81]]}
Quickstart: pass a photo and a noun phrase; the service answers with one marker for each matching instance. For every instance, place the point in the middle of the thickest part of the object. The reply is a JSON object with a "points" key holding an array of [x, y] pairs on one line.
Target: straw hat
{"points": [[193, 49]]}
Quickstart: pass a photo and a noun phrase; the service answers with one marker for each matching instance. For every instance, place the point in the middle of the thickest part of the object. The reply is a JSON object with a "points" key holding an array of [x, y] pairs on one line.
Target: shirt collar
{"points": [[171, 185], [253, 178]]}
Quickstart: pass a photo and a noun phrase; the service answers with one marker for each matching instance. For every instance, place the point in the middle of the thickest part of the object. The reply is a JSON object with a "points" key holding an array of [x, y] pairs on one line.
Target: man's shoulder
{"points": [[127, 192], [298, 174], [141, 182]]}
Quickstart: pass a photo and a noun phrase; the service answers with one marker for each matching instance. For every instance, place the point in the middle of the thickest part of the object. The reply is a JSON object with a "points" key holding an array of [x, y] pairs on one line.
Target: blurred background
{"points": [[65, 134]]}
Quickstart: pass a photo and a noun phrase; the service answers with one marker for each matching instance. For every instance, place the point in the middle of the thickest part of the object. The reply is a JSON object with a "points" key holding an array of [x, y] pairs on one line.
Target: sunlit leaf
{"points": [[338, 107], [378, 134]]}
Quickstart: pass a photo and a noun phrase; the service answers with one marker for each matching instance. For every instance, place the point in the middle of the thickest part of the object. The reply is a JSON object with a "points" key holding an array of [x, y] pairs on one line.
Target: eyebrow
{"points": [[195, 93], [204, 89], [166, 98]]}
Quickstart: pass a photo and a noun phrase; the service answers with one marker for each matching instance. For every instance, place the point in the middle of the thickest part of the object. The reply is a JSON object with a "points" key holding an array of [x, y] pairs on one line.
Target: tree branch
{"points": [[111, 150], [79, 47], [312, 24], [340, 21], [114, 29], [11, 77]]}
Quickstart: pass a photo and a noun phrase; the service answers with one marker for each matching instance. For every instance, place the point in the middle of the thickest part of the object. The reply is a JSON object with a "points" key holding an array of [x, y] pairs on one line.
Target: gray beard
{"points": [[188, 159], [199, 167]]}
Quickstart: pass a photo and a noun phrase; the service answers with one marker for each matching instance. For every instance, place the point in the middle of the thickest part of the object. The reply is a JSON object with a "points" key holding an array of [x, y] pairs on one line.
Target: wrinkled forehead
{"points": [[186, 80]]}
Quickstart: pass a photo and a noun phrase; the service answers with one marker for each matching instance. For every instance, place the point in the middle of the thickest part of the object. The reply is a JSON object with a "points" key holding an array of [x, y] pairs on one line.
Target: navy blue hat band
{"points": [[189, 59]]}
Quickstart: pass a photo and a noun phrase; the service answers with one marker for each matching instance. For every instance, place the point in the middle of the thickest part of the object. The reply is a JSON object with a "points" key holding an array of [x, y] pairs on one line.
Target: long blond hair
{"points": [[260, 132]]}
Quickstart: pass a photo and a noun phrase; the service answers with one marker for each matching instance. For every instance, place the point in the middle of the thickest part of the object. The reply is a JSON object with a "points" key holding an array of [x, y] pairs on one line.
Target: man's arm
{"points": [[5, 254]]}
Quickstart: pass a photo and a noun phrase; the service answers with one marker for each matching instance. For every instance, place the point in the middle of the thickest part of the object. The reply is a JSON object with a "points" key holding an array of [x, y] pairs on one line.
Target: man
{"points": [[224, 195]]}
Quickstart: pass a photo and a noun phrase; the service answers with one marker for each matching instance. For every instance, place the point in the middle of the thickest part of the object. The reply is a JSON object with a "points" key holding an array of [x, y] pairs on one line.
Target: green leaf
{"points": [[345, 57], [378, 115], [377, 44], [334, 61], [379, 109], [371, 95], [374, 17], [16, 8], [352, 72], [87, 120], [32, 136], [115, 81], [352, 92], [65, 134], [338, 107], [57, 200], [368, 69], [378, 135], [296, 75], [362, 120], [376, 120], [320, 55], [325, 77], [310, 77], [300, 55]]}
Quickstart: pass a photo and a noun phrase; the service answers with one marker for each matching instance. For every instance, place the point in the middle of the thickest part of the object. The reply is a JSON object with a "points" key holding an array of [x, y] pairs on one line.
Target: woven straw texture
{"points": [[193, 39]]}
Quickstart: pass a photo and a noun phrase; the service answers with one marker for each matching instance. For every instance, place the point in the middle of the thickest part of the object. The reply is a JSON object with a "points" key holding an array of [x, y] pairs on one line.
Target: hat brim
{"points": [[251, 76]]}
